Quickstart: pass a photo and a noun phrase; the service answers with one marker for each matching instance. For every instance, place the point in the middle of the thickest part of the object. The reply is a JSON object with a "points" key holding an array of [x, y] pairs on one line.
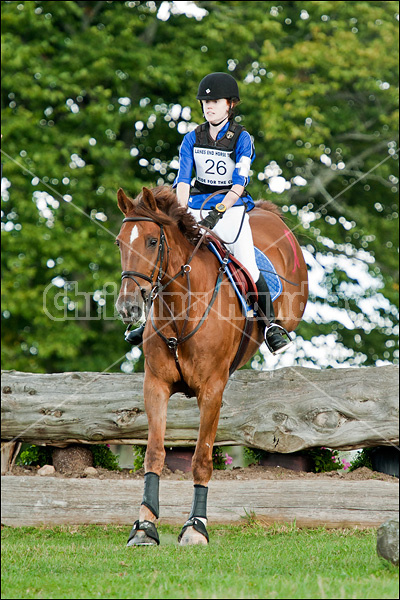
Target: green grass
{"points": [[247, 561]]}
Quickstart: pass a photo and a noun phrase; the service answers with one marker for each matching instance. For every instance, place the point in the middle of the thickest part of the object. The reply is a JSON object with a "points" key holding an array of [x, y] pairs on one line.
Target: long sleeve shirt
{"points": [[244, 156]]}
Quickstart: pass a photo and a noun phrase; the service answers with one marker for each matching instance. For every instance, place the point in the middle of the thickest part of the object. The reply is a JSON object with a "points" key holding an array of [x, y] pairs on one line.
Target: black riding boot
{"points": [[273, 336], [135, 336]]}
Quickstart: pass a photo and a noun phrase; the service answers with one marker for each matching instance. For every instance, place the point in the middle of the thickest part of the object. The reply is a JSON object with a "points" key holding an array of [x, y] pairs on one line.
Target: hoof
{"points": [[144, 533], [193, 533], [191, 537], [141, 539]]}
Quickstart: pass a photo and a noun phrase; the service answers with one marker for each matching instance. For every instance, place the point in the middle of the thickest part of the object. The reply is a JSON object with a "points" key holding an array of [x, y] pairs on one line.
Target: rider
{"points": [[221, 152]]}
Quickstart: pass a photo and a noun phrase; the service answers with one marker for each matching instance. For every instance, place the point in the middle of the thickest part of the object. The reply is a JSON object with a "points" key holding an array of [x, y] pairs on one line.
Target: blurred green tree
{"points": [[97, 96]]}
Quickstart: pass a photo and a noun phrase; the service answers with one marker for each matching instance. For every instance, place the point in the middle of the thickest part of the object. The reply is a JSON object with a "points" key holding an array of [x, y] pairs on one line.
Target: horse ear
{"points": [[125, 204], [149, 200]]}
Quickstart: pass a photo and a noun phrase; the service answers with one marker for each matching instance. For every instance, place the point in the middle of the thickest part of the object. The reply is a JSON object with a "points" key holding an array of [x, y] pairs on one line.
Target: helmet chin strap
{"points": [[218, 124]]}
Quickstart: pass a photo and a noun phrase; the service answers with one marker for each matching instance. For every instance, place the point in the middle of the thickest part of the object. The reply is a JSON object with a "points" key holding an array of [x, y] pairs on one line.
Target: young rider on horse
{"points": [[221, 152]]}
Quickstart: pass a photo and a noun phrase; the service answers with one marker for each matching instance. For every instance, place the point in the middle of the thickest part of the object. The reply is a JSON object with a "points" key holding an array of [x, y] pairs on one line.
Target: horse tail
{"points": [[270, 207]]}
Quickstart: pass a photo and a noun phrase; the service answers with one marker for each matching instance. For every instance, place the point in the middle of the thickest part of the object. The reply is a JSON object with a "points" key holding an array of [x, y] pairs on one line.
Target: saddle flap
{"points": [[240, 274]]}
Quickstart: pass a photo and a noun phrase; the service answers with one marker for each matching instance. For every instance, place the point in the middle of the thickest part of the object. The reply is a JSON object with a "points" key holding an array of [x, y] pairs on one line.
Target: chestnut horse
{"points": [[194, 329]]}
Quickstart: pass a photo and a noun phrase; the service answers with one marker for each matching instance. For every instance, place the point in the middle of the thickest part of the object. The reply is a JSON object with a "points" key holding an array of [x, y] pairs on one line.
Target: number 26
{"points": [[220, 166]]}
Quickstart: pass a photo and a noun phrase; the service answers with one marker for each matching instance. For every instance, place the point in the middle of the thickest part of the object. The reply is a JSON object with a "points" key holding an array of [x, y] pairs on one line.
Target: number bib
{"points": [[213, 166]]}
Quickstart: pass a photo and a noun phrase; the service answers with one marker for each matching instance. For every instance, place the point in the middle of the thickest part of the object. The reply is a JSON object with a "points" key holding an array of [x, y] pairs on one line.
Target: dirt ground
{"points": [[248, 473]]}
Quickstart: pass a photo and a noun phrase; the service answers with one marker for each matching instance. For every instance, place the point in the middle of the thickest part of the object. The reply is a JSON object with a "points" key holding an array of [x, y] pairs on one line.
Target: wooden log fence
{"points": [[282, 411], [52, 501]]}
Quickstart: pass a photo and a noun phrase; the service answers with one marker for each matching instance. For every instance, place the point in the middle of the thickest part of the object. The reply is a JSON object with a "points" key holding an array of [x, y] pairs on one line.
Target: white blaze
{"points": [[134, 234]]}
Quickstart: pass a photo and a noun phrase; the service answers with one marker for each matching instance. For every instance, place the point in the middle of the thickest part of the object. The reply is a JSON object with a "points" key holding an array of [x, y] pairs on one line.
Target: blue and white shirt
{"points": [[244, 156]]}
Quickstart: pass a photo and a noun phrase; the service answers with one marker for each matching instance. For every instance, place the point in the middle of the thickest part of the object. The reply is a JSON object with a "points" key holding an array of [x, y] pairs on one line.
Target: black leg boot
{"points": [[274, 339], [135, 336]]}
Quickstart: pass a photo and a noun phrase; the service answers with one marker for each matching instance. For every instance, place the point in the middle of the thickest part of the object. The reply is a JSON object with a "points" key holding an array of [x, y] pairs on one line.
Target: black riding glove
{"points": [[211, 219]]}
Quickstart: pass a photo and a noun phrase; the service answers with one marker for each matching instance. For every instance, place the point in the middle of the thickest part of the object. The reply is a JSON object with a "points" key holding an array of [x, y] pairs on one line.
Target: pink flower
{"points": [[228, 459], [346, 464]]}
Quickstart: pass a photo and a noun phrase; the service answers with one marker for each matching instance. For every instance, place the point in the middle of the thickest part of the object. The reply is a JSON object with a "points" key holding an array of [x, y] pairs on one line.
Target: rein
{"points": [[224, 242]]}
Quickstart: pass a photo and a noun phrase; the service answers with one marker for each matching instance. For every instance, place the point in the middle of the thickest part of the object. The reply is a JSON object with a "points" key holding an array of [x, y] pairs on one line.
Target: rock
{"points": [[72, 458], [46, 470], [388, 541], [90, 471]]}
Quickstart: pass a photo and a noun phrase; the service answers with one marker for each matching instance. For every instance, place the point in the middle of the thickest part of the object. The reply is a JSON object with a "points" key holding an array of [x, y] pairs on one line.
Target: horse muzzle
{"points": [[131, 311]]}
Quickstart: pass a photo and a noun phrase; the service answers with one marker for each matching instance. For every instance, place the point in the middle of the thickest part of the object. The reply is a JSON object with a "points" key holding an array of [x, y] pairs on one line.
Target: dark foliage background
{"points": [[98, 95]]}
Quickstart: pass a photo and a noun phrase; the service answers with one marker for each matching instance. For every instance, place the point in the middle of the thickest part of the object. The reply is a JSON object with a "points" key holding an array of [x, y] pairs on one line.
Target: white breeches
{"points": [[227, 229]]}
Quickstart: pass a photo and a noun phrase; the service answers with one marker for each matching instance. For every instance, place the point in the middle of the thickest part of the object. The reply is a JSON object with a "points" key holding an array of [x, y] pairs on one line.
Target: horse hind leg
{"points": [[194, 531]]}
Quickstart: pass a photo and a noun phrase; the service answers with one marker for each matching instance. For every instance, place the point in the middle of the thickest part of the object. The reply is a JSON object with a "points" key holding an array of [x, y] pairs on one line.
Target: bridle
{"points": [[156, 284]]}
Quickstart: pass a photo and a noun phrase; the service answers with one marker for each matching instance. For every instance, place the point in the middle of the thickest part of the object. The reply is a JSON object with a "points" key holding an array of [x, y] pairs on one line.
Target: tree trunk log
{"points": [[9, 452], [279, 411]]}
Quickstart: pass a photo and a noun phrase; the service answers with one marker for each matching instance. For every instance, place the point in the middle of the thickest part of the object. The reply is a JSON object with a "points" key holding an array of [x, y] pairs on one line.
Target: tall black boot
{"points": [[273, 333], [135, 336]]}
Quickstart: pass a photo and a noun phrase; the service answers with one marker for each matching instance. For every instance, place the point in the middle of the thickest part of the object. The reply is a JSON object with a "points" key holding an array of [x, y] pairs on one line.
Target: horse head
{"points": [[142, 243]]}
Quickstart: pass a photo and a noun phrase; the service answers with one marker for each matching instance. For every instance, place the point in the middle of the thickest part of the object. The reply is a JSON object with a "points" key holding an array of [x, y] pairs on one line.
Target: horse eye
{"points": [[152, 242]]}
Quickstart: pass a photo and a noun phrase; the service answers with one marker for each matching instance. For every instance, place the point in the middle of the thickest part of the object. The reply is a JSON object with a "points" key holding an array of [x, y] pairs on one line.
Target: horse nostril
{"points": [[129, 311], [136, 311]]}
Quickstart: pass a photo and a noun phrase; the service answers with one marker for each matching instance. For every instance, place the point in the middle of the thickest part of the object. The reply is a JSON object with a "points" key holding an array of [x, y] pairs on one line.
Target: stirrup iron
{"points": [[270, 330]]}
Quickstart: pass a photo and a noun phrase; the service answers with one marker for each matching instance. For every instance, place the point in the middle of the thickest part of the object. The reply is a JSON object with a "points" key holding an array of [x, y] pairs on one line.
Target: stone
{"points": [[90, 471], [46, 470], [387, 545], [73, 458]]}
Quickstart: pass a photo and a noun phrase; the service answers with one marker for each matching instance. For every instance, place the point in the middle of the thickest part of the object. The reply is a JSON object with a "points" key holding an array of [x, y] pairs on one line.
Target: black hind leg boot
{"points": [[273, 333]]}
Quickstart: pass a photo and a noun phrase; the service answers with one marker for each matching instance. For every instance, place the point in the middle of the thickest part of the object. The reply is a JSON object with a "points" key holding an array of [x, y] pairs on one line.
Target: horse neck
{"points": [[180, 253]]}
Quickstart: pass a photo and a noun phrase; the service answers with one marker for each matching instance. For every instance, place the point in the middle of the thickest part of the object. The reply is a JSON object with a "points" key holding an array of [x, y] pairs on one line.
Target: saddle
{"points": [[238, 273]]}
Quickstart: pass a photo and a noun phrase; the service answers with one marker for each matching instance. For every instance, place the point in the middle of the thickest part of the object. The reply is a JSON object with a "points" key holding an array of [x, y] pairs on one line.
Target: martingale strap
{"points": [[173, 342]]}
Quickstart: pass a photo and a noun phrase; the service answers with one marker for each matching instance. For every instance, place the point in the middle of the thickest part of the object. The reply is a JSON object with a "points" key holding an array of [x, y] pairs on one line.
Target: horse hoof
{"points": [[141, 539], [191, 537], [144, 533]]}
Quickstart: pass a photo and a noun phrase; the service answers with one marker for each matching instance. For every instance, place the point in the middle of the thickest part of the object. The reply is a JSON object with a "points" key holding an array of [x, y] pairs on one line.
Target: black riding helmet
{"points": [[216, 86]]}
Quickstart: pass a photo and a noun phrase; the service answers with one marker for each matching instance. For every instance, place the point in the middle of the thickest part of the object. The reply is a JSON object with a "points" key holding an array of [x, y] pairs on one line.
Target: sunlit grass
{"points": [[247, 561]]}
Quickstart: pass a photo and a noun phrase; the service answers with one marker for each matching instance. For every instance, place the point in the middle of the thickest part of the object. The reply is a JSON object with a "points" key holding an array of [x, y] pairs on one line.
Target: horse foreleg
{"points": [[156, 395], [194, 530]]}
